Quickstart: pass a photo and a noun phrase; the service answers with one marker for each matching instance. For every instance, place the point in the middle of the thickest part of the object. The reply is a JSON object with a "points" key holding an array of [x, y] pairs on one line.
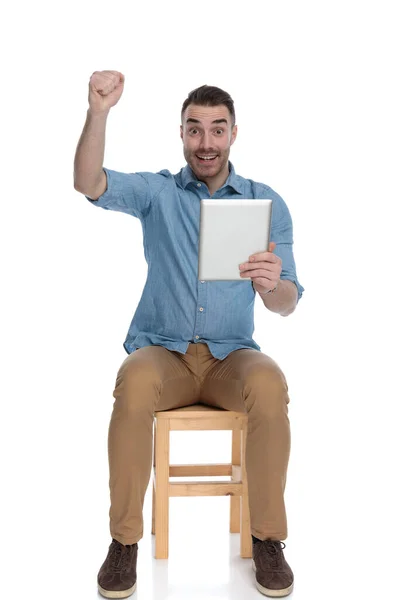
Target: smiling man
{"points": [[190, 341], [208, 133]]}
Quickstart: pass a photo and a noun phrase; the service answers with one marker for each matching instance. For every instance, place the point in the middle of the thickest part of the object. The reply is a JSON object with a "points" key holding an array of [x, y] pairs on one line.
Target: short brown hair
{"points": [[208, 95]]}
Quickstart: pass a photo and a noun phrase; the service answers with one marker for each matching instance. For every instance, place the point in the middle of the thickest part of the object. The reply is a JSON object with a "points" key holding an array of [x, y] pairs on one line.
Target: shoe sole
{"points": [[273, 593], [116, 594]]}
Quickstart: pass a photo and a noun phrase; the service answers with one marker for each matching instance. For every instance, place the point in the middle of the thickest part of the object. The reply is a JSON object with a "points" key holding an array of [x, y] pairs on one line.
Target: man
{"points": [[191, 340]]}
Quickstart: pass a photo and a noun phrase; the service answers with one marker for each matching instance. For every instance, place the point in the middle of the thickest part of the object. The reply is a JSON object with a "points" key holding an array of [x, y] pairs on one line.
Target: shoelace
{"points": [[272, 551], [119, 557]]}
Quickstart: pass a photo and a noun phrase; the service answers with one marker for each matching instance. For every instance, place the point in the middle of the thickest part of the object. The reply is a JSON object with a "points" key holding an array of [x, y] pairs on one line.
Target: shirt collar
{"points": [[234, 181]]}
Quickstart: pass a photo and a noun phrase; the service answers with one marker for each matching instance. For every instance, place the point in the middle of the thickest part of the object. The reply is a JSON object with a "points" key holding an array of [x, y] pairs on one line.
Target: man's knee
{"points": [[269, 390], [136, 383]]}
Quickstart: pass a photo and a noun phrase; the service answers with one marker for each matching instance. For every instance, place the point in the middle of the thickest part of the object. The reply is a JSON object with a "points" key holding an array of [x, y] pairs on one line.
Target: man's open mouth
{"points": [[206, 158]]}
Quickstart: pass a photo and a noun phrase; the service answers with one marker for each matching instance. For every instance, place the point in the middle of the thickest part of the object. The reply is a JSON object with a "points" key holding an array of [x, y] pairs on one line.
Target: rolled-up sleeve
{"points": [[129, 193], [282, 235]]}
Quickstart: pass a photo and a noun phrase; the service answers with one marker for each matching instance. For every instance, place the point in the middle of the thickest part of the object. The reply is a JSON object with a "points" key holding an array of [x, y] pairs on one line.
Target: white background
{"points": [[315, 86]]}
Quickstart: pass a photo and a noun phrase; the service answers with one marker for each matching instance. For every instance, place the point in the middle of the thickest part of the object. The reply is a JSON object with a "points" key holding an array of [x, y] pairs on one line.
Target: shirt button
{"points": [[199, 185], [202, 282], [197, 337], [201, 308]]}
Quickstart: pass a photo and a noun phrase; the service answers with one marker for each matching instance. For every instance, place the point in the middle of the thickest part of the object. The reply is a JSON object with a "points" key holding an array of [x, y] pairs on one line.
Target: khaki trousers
{"points": [[155, 378]]}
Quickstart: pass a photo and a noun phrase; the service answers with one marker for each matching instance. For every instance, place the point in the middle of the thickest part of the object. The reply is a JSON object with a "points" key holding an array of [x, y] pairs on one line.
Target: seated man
{"points": [[190, 339]]}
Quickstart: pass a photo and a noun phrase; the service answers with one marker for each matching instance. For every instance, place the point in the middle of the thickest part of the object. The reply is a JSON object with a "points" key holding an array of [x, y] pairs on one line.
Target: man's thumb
{"points": [[272, 246]]}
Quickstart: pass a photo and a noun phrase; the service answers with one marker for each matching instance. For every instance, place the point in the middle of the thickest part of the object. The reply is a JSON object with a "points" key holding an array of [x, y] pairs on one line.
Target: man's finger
{"points": [[263, 255]]}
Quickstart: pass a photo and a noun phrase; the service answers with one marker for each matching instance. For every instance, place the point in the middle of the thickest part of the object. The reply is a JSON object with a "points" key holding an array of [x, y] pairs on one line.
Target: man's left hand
{"points": [[264, 269]]}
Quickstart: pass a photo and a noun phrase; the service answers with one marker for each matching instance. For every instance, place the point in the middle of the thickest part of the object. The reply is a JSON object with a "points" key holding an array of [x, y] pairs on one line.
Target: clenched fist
{"points": [[105, 89]]}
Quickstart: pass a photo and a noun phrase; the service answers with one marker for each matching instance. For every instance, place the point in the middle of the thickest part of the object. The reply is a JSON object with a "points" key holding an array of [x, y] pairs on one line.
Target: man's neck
{"points": [[214, 183]]}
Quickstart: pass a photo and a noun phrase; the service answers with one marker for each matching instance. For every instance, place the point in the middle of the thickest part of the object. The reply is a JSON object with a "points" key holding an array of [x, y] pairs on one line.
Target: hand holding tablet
{"points": [[264, 269]]}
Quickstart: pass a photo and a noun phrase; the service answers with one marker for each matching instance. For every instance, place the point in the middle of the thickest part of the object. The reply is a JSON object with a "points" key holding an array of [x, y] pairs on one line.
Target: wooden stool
{"points": [[200, 417]]}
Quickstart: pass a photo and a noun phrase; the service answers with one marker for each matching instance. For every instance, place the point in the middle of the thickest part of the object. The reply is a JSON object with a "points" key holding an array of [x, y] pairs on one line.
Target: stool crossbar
{"points": [[205, 418]]}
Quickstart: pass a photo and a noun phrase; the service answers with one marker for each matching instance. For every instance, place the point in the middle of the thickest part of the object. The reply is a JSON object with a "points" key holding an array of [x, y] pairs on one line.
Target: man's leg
{"points": [[151, 378], [249, 381]]}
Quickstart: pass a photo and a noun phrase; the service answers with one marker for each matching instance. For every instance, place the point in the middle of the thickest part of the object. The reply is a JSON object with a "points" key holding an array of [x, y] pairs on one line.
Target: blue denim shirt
{"points": [[176, 308]]}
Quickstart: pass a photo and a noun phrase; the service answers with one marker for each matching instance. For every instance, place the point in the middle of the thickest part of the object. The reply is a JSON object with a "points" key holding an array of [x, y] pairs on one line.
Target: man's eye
{"points": [[193, 131], [220, 131]]}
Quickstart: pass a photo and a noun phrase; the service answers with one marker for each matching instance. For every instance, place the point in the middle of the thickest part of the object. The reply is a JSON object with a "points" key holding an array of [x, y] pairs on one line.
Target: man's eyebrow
{"points": [[191, 120]]}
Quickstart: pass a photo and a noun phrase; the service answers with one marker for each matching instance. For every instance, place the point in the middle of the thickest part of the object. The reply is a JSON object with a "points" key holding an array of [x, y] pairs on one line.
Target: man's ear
{"points": [[234, 134], [181, 128]]}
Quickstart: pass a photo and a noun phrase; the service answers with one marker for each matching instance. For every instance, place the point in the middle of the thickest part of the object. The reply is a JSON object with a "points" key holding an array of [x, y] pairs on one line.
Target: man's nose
{"points": [[206, 140]]}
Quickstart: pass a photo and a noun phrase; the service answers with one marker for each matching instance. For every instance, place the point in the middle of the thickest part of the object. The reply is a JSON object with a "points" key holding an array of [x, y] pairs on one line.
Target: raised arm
{"points": [[105, 89]]}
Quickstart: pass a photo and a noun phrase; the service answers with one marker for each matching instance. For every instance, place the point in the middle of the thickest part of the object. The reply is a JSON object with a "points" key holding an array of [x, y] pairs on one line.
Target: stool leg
{"points": [[234, 526], [153, 504], [153, 512], [246, 546], [162, 489]]}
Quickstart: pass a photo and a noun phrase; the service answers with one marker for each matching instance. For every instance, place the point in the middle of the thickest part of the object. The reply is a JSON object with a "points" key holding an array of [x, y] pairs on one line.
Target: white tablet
{"points": [[230, 231]]}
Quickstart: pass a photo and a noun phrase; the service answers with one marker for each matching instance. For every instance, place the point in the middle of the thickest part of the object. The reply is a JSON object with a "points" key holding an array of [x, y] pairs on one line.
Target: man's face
{"points": [[207, 136]]}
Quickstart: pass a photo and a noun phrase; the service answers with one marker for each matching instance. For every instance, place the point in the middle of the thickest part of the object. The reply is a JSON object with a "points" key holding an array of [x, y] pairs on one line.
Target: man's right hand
{"points": [[105, 89]]}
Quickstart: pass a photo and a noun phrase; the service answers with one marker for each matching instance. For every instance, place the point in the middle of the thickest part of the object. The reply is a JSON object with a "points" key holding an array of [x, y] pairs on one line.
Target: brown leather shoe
{"points": [[274, 577], [117, 575]]}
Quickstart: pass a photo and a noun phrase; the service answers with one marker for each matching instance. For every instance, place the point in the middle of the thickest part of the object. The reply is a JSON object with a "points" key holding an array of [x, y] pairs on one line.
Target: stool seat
{"points": [[204, 418]]}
